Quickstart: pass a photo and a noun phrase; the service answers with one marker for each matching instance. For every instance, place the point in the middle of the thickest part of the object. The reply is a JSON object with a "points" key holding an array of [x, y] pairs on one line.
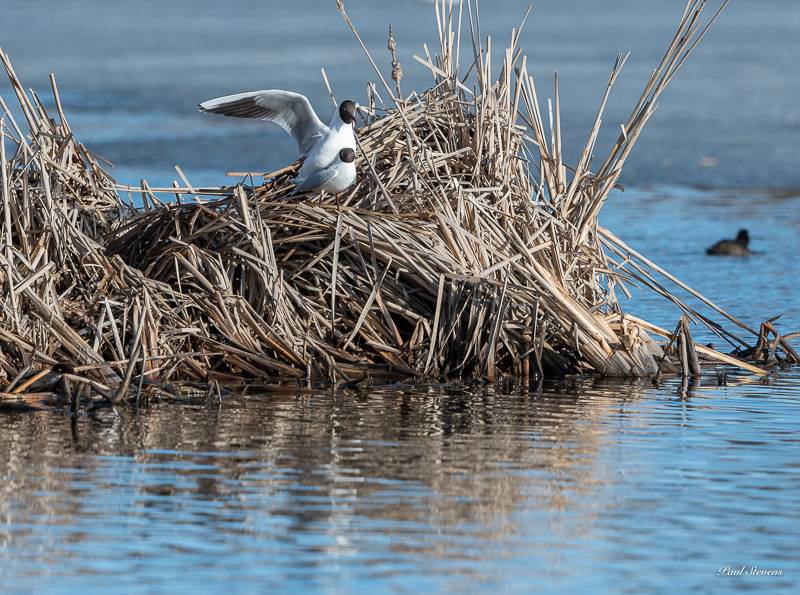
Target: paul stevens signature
{"points": [[745, 571]]}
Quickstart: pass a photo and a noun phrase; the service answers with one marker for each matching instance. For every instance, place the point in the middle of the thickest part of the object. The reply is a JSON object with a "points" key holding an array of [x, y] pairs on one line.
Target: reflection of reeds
{"points": [[464, 247]]}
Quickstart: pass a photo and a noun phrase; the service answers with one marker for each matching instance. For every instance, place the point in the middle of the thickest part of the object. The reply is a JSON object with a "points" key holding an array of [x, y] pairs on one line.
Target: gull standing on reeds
{"points": [[319, 143], [336, 177]]}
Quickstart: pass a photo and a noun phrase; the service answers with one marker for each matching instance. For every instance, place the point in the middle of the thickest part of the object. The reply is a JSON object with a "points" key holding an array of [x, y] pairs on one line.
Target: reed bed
{"points": [[466, 247]]}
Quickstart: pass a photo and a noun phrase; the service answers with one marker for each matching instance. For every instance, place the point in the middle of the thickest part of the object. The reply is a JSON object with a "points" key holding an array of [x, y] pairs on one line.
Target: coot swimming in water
{"points": [[737, 247]]}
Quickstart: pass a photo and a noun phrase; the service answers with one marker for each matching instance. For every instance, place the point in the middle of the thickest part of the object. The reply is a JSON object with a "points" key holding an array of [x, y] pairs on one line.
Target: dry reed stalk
{"points": [[464, 247]]}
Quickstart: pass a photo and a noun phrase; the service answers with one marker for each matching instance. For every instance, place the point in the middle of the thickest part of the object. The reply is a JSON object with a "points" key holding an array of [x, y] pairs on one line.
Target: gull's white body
{"points": [[335, 178], [325, 153]]}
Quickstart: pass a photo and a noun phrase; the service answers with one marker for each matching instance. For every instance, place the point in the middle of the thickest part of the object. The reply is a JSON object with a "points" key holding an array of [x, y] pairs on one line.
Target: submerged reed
{"points": [[465, 247]]}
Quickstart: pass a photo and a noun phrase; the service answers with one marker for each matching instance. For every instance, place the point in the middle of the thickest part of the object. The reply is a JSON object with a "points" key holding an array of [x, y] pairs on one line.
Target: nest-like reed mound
{"points": [[465, 247]]}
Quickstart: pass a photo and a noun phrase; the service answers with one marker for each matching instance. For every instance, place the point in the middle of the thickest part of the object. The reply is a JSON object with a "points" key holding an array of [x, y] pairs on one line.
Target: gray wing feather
{"points": [[315, 180], [291, 111]]}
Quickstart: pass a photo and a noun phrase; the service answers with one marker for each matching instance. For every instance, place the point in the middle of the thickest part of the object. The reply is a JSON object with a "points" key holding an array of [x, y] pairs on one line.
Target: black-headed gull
{"points": [[336, 177], [318, 142]]}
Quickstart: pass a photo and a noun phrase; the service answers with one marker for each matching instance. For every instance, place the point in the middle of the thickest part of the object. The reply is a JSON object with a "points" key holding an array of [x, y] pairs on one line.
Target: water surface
{"points": [[569, 486]]}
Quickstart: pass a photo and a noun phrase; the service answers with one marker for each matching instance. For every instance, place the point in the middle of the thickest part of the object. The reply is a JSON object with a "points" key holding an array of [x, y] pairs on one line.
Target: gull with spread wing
{"points": [[319, 143]]}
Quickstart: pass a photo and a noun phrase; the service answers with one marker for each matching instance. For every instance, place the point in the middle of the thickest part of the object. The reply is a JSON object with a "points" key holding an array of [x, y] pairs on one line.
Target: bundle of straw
{"points": [[464, 247]]}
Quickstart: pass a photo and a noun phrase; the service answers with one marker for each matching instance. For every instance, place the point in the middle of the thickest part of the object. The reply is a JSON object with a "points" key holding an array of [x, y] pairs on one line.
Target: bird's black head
{"points": [[347, 155], [742, 238], [347, 111]]}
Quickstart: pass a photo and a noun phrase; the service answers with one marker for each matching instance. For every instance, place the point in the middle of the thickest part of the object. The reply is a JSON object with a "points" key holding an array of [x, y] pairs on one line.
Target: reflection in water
{"points": [[430, 487]]}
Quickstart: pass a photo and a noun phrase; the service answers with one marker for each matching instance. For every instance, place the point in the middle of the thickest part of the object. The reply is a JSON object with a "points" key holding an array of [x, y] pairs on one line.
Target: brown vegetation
{"points": [[465, 247]]}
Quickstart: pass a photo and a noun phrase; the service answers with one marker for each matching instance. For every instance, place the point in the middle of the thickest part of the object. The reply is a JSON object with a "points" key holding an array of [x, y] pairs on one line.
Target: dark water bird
{"points": [[737, 247], [320, 143], [45, 381], [335, 178]]}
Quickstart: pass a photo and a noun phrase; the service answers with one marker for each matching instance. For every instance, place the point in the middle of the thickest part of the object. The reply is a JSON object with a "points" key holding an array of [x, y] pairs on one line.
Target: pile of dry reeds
{"points": [[465, 247]]}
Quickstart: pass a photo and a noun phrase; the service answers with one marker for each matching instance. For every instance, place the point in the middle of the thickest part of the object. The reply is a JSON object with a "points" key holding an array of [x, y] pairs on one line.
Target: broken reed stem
{"points": [[136, 349], [688, 345]]}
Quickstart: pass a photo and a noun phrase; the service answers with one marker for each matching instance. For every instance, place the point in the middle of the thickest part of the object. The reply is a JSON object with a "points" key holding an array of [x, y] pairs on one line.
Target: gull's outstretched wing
{"points": [[291, 111]]}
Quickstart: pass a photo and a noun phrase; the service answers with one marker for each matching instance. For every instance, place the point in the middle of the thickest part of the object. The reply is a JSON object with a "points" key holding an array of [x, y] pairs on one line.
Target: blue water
{"points": [[574, 486], [673, 226]]}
